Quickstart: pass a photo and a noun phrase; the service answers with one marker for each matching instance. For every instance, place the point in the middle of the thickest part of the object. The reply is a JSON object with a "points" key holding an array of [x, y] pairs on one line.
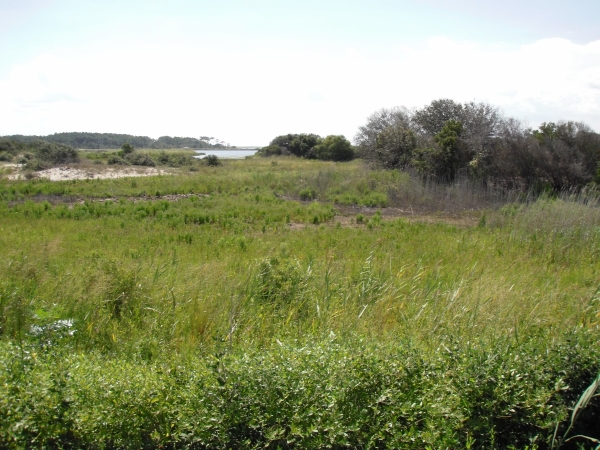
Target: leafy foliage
{"points": [[446, 138], [300, 145], [334, 148], [212, 160], [139, 159], [175, 159], [127, 149], [54, 153], [310, 146]]}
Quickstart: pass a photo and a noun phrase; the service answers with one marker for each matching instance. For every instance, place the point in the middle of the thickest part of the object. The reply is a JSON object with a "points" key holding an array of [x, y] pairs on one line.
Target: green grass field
{"points": [[240, 315]]}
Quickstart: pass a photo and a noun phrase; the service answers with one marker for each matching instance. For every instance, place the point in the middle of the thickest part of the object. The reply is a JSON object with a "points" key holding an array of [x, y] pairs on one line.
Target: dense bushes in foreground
{"points": [[340, 393]]}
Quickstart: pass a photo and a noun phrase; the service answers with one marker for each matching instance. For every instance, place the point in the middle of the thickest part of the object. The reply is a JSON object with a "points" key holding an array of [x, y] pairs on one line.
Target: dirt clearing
{"points": [[71, 173]]}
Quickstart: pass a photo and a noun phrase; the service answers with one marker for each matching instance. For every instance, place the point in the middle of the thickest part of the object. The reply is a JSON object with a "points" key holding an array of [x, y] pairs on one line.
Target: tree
{"points": [[481, 122], [298, 144], [127, 149], [571, 153], [334, 148], [387, 139], [442, 159], [448, 140], [431, 119], [271, 150], [446, 137]]}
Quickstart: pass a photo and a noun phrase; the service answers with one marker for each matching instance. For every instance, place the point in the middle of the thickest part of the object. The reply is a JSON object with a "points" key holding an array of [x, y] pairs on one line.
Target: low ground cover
{"points": [[208, 321]]}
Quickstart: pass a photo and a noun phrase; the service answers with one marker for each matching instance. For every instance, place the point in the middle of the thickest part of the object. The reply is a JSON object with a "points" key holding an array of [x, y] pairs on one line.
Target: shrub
{"points": [[10, 147], [334, 148], [212, 160], [175, 159], [308, 194], [5, 156], [127, 149], [54, 153], [116, 160], [138, 159], [271, 150], [36, 164], [300, 145], [279, 281], [162, 158]]}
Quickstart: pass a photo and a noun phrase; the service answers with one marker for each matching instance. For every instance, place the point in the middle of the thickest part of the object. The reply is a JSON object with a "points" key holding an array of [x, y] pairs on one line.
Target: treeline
{"points": [[115, 141], [446, 139], [310, 146]]}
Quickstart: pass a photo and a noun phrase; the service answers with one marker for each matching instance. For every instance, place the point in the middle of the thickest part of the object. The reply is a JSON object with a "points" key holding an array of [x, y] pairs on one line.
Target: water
{"points": [[228, 154]]}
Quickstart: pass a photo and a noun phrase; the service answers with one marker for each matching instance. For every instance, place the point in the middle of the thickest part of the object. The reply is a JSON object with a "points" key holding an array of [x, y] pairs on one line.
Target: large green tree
{"points": [[300, 145], [443, 159], [334, 148], [387, 140], [445, 138]]}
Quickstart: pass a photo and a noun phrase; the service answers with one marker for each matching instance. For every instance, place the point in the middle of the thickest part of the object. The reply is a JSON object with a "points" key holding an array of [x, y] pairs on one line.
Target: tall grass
{"points": [[210, 322], [338, 183]]}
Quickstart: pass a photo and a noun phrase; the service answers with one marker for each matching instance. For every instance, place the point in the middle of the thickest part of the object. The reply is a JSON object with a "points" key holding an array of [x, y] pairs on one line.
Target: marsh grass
{"points": [[210, 322]]}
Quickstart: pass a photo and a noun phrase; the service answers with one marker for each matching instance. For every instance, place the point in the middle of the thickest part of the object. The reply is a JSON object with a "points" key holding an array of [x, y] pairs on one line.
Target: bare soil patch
{"points": [[70, 173]]}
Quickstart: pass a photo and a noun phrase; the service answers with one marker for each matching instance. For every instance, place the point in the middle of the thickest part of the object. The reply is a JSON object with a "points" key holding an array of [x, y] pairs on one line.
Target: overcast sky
{"points": [[245, 71]]}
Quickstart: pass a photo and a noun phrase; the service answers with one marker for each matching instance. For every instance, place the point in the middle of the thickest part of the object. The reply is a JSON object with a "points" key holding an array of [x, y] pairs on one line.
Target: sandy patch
{"points": [[70, 173]]}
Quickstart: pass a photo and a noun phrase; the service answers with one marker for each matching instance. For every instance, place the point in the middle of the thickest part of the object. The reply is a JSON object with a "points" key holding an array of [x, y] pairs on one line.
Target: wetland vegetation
{"points": [[290, 303], [442, 292]]}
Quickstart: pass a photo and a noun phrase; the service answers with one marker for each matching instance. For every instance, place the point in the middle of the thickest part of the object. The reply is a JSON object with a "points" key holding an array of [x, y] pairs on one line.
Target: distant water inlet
{"points": [[239, 153]]}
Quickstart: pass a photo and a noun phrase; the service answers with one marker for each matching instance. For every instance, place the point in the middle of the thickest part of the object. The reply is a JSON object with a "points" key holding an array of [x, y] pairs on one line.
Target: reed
{"points": [[243, 317]]}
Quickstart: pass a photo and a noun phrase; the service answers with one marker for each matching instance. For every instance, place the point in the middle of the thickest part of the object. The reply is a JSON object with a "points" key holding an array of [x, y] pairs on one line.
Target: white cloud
{"points": [[248, 97]]}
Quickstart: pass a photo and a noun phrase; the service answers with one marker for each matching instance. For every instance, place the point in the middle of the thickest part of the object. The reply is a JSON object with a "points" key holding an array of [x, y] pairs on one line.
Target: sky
{"points": [[245, 71]]}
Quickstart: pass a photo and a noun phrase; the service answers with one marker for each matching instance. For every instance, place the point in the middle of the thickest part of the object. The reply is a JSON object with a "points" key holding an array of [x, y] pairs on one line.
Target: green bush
{"points": [[127, 149], [36, 165], [176, 159], [5, 156], [336, 393], [271, 150], [211, 160], [307, 194], [11, 147], [54, 153], [334, 148], [47, 153], [116, 160], [139, 159], [280, 281]]}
